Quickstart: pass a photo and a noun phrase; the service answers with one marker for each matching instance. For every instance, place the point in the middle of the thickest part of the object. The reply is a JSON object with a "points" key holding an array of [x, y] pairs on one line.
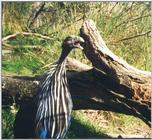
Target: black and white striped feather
{"points": [[54, 104]]}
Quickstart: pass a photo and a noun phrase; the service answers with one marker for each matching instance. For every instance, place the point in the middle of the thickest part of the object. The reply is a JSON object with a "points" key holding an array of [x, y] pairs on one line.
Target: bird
{"points": [[48, 115]]}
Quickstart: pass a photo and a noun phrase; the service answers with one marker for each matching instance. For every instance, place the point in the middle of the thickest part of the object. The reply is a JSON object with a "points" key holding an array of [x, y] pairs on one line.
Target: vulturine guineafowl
{"points": [[49, 114]]}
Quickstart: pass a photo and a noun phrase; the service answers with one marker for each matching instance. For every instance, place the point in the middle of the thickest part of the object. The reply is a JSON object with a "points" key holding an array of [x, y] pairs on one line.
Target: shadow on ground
{"points": [[81, 131], [77, 130]]}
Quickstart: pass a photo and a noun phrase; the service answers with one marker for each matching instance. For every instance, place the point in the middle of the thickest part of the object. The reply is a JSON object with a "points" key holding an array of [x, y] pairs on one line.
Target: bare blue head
{"points": [[70, 43]]}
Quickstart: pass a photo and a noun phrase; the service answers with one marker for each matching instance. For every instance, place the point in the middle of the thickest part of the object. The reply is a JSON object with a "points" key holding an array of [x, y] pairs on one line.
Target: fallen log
{"points": [[133, 84], [111, 85]]}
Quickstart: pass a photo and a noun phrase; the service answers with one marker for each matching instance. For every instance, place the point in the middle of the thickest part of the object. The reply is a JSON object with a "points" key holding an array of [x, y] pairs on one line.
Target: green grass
{"points": [[7, 123], [82, 125], [22, 66]]}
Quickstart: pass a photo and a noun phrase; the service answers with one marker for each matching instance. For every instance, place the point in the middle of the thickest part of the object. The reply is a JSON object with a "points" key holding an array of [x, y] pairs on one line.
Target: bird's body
{"points": [[52, 107]]}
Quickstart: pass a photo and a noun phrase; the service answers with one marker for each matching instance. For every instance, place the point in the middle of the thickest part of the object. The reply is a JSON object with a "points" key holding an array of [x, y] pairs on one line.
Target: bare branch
{"points": [[24, 34], [111, 10], [38, 10], [131, 20], [127, 38]]}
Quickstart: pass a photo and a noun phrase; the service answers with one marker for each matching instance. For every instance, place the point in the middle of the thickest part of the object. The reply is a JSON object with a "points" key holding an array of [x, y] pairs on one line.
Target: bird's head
{"points": [[73, 41], [70, 43]]}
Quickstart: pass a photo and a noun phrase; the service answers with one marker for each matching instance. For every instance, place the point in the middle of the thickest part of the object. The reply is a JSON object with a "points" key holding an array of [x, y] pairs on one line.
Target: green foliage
{"points": [[22, 66], [14, 16], [7, 123], [116, 21], [26, 61]]}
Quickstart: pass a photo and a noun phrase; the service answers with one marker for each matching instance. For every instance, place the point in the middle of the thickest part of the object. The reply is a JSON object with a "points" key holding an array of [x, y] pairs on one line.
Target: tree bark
{"points": [[133, 84], [112, 84]]}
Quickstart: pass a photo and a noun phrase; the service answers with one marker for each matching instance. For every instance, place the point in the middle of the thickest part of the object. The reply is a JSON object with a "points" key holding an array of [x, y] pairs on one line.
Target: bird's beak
{"points": [[78, 42]]}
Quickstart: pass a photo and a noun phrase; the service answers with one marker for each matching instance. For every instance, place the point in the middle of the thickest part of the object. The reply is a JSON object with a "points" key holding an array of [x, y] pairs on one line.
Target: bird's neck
{"points": [[63, 56]]}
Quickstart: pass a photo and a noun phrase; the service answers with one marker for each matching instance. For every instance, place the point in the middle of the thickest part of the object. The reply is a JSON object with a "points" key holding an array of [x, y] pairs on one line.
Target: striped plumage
{"points": [[53, 103]]}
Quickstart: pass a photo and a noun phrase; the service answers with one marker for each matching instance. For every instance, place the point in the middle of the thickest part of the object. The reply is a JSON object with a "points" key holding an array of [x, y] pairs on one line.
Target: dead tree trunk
{"points": [[112, 85], [128, 82]]}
